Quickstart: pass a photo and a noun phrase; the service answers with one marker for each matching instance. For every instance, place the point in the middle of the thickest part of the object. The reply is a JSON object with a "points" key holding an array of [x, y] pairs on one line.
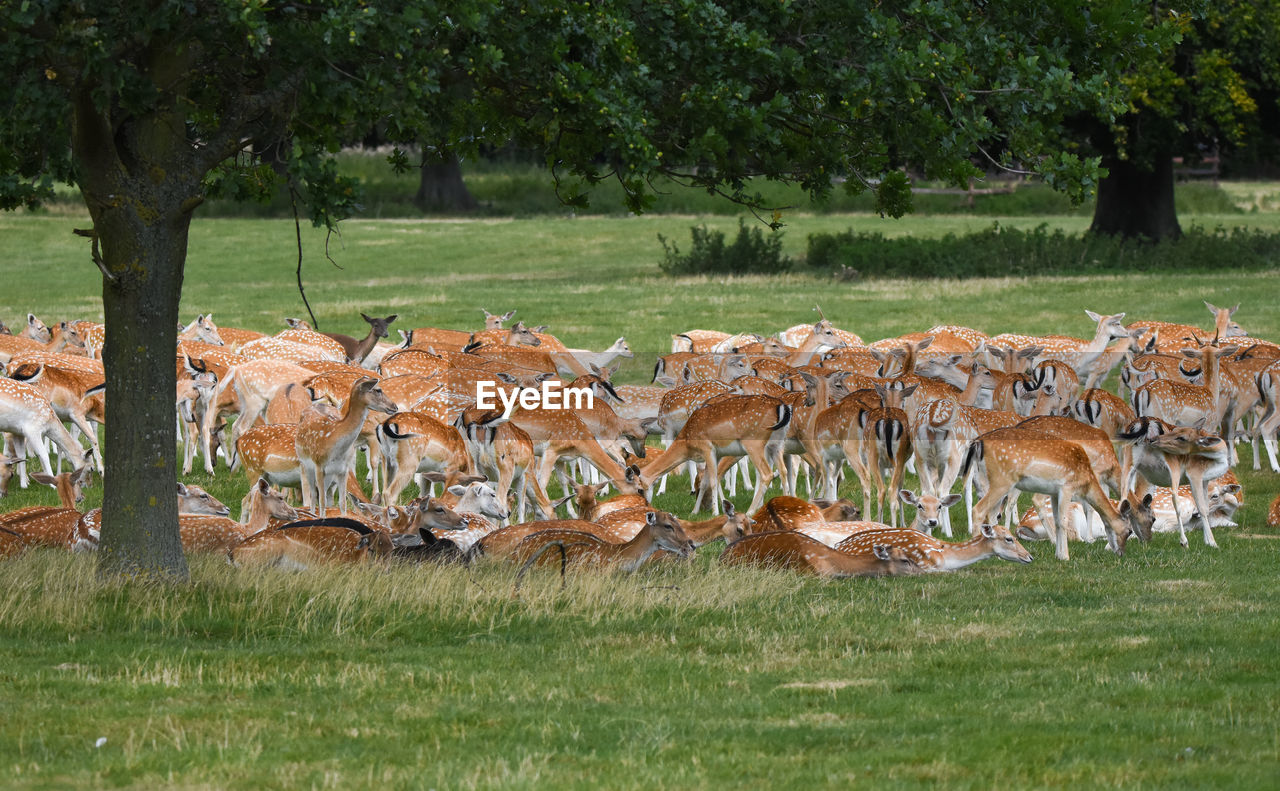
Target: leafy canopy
{"points": [[709, 93]]}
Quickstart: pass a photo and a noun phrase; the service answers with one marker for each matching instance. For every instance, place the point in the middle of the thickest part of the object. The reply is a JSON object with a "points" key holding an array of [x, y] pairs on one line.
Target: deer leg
{"points": [[1175, 478], [1061, 513], [1198, 493], [764, 473]]}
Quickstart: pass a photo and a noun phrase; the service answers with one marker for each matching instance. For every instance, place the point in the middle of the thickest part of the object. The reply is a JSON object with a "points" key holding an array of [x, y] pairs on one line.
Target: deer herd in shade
{"points": [[807, 410]]}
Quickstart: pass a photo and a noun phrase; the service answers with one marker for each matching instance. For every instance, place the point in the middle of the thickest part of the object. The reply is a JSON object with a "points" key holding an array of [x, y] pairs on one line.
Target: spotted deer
{"points": [[27, 415], [930, 554], [1164, 454], [326, 444], [1035, 462], [662, 532], [307, 543], [753, 426], [797, 552]]}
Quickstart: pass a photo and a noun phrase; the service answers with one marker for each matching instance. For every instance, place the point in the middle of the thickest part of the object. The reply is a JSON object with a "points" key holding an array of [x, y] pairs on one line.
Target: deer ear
{"points": [[1146, 501], [949, 500], [1231, 488], [1093, 315], [182, 488], [908, 497], [263, 486], [457, 490], [47, 480], [651, 518], [988, 531], [728, 508], [881, 551], [364, 542]]}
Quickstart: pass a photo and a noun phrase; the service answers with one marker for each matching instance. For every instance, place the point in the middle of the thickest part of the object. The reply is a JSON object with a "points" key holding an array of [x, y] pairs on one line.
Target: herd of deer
{"points": [[996, 415]]}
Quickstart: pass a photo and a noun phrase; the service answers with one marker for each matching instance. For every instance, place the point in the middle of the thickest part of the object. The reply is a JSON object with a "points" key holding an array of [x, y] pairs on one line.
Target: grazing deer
{"points": [[414, 443], [787, 549], [662, 532], [504, 451], [71, 395], [1035, 462], [753, 426], [326, 444], [27, 414], [1164, 454], [930, 554]]}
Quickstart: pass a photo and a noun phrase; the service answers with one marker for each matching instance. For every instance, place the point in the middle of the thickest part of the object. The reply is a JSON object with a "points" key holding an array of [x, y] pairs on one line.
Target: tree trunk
{"points": [[140, 196], [1133, 202], [140, 506], [441, 187]]}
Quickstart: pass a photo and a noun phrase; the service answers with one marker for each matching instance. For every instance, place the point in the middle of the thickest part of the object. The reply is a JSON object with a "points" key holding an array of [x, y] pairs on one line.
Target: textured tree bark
{"points": [[140, 198], [1133, 202], [140, 508], [441, 187]]}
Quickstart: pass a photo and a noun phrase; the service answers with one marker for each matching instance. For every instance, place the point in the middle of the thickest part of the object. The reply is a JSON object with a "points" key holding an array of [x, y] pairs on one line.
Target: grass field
{"points": [[1156, 670]]}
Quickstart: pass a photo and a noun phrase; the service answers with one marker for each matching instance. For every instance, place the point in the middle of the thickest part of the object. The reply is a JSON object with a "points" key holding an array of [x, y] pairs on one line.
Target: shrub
{"points": [[998, 252], [751, 253]]}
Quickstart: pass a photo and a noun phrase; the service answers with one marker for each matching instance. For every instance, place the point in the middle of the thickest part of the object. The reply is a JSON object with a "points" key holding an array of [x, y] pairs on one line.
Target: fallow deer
{"points": [[933, 555], [797, 552], [326, 444], [1039, 463], [662, 531]]}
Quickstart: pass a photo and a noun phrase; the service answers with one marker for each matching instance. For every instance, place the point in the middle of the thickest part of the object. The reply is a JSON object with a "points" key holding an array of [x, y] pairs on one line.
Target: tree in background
{"points": [[150, 107], [1216, 91]]}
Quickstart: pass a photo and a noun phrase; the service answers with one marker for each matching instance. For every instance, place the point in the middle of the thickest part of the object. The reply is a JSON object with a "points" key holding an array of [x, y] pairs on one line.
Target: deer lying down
{"points": [[311, 542], [786, 549], [662, 532], [934, 555], [11, 544]]}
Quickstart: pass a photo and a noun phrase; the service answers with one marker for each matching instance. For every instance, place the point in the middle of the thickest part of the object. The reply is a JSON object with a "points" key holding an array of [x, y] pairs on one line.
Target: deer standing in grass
{"points": [[1035, 462], [1164, 454], [753, 426], [326, 445]]}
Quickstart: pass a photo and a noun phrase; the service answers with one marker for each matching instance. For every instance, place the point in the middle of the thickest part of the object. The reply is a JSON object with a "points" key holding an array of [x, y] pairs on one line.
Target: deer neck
{"points": [[846, 565], [966, 553], [365, 346], [635, 552], [258, 516], [66, 493], [1099, 343], [705, 531], [353, 415], [1212, 378], [972, 388]]}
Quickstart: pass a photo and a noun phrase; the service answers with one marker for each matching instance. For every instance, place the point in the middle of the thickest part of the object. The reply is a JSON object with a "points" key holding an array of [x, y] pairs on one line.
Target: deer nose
{"points": [[931, 522]]}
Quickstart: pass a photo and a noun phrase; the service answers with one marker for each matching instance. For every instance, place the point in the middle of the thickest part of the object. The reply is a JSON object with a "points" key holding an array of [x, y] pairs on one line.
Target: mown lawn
{"points": [[1156, 670]]}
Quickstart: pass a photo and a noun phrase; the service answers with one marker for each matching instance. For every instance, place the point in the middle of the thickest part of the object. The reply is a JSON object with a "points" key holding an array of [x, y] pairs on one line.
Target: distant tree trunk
{"points": [[441, 187], [140, 197], [1133, 202]]}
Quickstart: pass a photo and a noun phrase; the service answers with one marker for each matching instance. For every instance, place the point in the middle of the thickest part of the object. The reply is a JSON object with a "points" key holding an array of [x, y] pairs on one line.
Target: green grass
{"points": [[1156, 670]]}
